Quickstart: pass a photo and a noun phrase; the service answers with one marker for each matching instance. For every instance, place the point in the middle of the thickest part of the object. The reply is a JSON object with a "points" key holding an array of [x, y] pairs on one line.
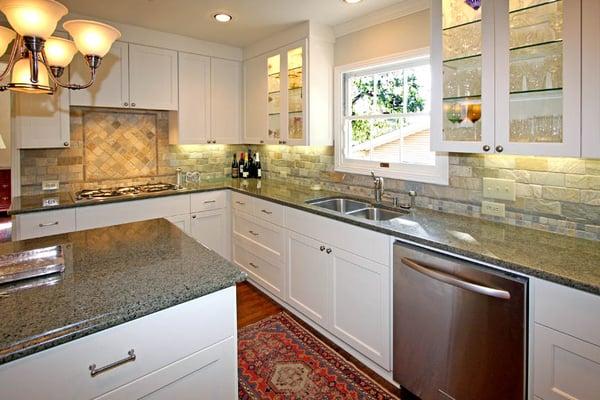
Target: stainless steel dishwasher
{"points": [[459, 328]]}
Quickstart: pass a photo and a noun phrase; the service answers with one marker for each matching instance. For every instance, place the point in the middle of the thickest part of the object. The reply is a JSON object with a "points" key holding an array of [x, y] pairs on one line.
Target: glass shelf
{"points": [[534, 45], [457, 59], [461, 25], [524, 92], [473, 97], [540, 4]]}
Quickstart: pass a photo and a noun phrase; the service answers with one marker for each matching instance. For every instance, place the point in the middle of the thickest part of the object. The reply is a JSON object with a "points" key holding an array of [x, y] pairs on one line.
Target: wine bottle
{"points": [[258, 166], [246, 172], [242, 172], [235, 167]]}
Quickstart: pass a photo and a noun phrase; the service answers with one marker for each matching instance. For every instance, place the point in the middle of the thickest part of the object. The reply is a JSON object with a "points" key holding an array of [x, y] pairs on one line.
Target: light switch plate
{"points": [[494, 209], [50, 185], [501, 189]]}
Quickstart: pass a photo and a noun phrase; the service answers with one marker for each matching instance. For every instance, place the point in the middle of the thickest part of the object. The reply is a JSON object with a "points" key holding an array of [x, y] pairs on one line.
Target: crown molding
{"points": [[402, 9]]}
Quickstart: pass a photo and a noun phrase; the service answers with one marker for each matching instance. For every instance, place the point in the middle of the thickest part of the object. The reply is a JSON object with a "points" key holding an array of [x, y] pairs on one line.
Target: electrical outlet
{"points": [[50, 185], [494, 209], [501, 189]]}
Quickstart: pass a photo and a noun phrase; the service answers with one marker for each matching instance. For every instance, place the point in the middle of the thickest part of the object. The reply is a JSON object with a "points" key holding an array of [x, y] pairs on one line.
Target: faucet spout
{"points": [[378, 187]]}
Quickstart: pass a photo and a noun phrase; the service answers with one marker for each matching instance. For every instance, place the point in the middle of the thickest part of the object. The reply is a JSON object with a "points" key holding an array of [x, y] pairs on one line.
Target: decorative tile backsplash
{"points": [[555, 194]]}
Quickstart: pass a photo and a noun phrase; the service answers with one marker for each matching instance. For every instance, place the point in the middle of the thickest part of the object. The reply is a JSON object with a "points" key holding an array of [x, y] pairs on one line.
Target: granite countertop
{"points": [[565, 260], [113, 275]]}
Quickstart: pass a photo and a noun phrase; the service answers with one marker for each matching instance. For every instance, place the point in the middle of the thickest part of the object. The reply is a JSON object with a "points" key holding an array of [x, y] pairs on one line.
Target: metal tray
{"points": [[31, 264]]}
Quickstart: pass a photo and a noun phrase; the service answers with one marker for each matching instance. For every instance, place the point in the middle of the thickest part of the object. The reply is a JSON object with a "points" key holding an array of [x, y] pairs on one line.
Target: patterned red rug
{"points": [[279, 359]]}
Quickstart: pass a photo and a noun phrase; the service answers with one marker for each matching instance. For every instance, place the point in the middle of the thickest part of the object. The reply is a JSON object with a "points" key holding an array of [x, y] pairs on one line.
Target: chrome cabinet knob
{"points": [[126, 104], [66, 144], [328, 251], [486, 148], [132, 104], [322, 248], [499, 149]]}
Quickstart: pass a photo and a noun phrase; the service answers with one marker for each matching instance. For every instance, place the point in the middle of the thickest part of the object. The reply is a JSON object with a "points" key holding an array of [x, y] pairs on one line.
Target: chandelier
{"points": [[37, 59]]}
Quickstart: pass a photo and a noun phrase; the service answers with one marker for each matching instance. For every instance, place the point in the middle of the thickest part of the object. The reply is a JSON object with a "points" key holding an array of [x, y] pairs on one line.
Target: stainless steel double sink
{"points": [[357, 208]]}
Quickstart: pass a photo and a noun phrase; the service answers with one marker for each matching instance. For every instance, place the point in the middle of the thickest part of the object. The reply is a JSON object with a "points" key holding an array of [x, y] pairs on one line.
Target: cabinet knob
{"points": [[262, 141], [499, 149], [126, 104], [66, 144], [194, 216], [132, 104], [486, 148], [322, 248], [328, 251], [214, 142], [208, 141]]}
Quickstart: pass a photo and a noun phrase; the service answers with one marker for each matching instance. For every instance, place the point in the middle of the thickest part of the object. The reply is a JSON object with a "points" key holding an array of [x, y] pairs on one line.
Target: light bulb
{"points": [[33, 18], [92, 38], [6, 36], [59, 52], [21, 78]]}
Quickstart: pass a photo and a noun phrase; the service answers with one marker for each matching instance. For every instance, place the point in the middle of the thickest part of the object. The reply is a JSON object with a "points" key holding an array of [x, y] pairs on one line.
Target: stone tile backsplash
{"points": [[556, 194]]}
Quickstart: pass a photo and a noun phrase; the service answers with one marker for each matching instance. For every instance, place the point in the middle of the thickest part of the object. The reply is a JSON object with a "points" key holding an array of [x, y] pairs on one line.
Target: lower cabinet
{"points": [[210, 229], [45, 223], [181, 221]]}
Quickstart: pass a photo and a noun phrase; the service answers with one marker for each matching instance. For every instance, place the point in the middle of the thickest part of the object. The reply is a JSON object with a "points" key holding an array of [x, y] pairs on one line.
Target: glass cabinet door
{"points": [[295, 94], [538, 77], [462, 72], [274, 98]]}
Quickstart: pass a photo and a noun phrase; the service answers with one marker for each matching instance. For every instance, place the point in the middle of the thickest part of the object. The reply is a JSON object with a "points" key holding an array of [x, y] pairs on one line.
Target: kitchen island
{"points": [[142, 295]]}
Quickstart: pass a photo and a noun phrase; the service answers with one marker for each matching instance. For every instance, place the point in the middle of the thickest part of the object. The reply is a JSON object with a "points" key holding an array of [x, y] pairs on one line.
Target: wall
{"points": [[5, 127]]}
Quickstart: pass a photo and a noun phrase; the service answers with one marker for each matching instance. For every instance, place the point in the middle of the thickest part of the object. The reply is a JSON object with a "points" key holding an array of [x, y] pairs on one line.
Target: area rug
{"points": [[280, 359]]}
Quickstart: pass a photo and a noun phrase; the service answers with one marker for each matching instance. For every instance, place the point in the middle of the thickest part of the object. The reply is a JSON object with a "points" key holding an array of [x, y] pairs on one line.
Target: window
{"points": [[382, 109]]}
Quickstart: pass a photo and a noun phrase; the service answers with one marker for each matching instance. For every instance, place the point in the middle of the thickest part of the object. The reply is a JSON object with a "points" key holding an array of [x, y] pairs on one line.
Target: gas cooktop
{"points": [[99, 194]]}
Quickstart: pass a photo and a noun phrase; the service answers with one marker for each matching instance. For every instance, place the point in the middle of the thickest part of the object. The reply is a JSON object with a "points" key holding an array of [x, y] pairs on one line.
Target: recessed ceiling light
{"points": [[352, 1], [222, 17]]}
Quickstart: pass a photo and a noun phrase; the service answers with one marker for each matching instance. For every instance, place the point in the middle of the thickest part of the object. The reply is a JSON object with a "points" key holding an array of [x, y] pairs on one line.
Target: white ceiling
{"points": [[252, 19]]}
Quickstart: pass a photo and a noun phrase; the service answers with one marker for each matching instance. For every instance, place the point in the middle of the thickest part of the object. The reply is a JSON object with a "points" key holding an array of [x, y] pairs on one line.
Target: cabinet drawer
{"points": [[62, 372], [208, 201], [268, 275], [567, 310], [565, 368], [268, 211], [363, 242], [267, 235], [44, 223], [242, 202]]}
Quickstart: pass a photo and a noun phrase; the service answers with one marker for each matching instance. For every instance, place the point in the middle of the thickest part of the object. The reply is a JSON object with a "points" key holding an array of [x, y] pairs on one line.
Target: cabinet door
{"points": [[309, 277], [181, 221], [191, 124], [111, 87], [209, 228], [294, 94], [152, 78], [206, 375], [462, 62], [42, 121], [361, 299], [565, 368], [226, 101], [591, 76], [538, 77], [255, 101]]}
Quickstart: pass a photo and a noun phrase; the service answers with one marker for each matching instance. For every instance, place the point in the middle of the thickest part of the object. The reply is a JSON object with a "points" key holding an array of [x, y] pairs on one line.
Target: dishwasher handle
{"points": [[452, 280]]}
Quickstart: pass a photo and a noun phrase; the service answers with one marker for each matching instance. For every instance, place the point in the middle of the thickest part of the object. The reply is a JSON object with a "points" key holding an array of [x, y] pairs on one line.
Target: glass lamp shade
{"points": [[21, 78], [92, 38], [35, 18], [59, 51], [6, 36]]}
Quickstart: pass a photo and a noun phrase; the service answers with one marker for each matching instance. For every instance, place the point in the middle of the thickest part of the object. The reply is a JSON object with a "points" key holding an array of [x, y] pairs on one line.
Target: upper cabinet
{"points": [[506, 77], [591, 76], [288, 94], [226, 101], [130, 76]]}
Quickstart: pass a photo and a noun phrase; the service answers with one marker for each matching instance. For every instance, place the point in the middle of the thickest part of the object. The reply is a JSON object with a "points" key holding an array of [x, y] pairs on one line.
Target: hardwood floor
{"points": [[253, 305]]}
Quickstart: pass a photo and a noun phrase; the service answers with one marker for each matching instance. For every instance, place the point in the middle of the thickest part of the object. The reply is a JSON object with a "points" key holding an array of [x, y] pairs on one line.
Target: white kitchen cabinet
{"points": [[44, 223], [41, 121], [191, 124], [153, 78], [210, 229], [111, 87], [506, 78], [590, 75], [361, 305], [181, 221], [288, 95], [309, 278], [226, 101], [201, 350]]}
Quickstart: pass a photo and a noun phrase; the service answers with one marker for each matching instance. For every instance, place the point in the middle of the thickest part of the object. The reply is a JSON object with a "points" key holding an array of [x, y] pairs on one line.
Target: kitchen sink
{"points": [[340, 204], [376, 214]]}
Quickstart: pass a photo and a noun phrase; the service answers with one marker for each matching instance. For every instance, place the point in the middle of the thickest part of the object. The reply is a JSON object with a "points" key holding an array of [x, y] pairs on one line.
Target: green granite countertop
{"points": [[113, 275], [565, 260]]}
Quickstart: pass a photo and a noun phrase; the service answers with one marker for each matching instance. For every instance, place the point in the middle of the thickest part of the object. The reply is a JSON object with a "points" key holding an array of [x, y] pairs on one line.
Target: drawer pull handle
{"points": [[48, 224], [253, 233], [267, 212], [253, 265], [241, 203], [96, 371], [210, 201]]}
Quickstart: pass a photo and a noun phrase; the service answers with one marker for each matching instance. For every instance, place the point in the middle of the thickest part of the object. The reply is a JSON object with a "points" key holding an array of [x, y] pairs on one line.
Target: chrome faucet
{"points": [[378, 187]]}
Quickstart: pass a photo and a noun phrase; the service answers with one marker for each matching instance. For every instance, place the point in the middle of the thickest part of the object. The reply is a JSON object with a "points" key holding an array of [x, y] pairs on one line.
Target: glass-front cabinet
{"points": [[509, 77]]}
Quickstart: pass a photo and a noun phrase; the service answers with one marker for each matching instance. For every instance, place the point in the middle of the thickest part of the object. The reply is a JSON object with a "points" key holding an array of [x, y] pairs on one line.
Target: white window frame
{"points": [[436, 174]]}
